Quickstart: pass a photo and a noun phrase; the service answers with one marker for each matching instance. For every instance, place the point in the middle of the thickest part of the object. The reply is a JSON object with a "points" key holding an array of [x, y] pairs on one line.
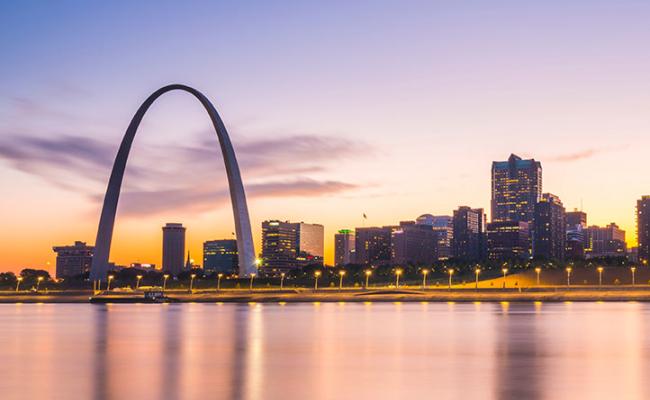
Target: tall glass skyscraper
{"points": [[516, 188]]}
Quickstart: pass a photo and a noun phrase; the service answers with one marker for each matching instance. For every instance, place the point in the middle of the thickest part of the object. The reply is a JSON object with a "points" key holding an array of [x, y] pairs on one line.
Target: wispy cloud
{"points": [[582, 154]]}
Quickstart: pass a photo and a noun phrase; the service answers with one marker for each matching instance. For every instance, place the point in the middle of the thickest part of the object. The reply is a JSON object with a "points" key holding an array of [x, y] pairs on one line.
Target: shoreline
{"points": [[551, 294]]}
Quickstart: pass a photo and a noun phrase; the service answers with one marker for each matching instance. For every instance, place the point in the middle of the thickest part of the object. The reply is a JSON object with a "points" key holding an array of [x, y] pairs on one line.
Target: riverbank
{"points": [[544, 294]]}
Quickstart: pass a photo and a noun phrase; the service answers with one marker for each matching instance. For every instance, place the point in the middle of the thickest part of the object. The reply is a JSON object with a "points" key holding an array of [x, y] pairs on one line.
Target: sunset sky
{"points": [[335, 109]]}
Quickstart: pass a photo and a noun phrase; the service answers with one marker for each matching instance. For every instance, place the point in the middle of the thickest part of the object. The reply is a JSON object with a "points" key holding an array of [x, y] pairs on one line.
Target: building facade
{"points": [[576, 235], [516, 188], [549, 229], [73, 260], [372, 245], [288, 245], [607, 241], [173, 257], [311, 244], [220, 256], [468, 244], [643, 229], [508, 240], [344, 247], [443, 225], [414, 244]]}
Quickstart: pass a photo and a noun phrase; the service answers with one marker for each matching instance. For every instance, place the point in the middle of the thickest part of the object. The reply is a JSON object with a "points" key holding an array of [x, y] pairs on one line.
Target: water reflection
{"points": [[325, 351]]}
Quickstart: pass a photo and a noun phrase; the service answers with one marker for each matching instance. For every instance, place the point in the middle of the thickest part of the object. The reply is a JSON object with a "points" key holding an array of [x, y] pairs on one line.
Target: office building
{"points": [[576, 237], [468, 242], [287, 245], [549, 229], [372, 245], [508, 240], [344, 247], [607, 241], [443, 225], [73, 260], [643, 229], [173, 259], [414, 244], [311, 244], [516, 188], [220, 256]]}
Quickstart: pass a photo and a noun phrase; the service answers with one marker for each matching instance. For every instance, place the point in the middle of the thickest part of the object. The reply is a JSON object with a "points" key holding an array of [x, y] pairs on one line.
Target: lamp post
{"points": [[425, 272], [538, 271], [450, 271], [108, 285], [219, 276], [192, 282], [38, 282], [600, 276], [165, 277], [316, 275], [505, 272], [368, 273], [398, 272], [137, 284], [282, 275], [568, 276], [633, 269], [250, 286], [477, 271], [18, 280]]}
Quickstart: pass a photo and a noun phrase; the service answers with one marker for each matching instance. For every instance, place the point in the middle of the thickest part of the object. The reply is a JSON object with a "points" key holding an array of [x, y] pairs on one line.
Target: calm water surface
{"points": [[325, 351]]}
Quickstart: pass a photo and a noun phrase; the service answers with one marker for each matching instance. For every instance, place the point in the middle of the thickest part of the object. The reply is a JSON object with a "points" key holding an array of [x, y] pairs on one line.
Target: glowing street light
{"points": [[450, 271], [137, 284], [425, 272], [538, 271], [165, 277], [316, 275], [282, 275], [398, 273], [505, 272], [108, 285], [633, 269], [341, 275], [600, 276], [477, 271], [38, 282], [18, 280], [568, 276], [368, 273], [250, 286], [192, 281], [219, 276]]}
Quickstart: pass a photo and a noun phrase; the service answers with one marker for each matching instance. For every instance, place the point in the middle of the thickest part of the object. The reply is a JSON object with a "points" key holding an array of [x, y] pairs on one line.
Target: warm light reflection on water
{"points": [[325, 351]]}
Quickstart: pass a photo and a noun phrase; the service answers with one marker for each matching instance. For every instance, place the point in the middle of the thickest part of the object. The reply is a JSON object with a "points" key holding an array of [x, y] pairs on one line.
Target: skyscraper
{"points": [[173, 248], [311, 244], [549, 228], [414, 244], [607, 241], [469, 236], [508, 240], [73, 260], [344, 247], [643, 228], [372, 245], [220, 256], [516, 188], [443, 225], [287, 245], [576, 235]]}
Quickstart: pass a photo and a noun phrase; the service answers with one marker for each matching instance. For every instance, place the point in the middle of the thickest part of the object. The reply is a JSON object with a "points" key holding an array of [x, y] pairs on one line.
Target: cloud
{"points": [[571, 157]]}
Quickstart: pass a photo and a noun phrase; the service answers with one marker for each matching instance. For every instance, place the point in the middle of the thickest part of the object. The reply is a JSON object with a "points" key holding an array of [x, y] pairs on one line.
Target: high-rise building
{"points": [[414, 244], [287, 245], [73, 260], [173, 259], [576, 237], [469, 234], [443, 225], [508, 240], [643, 229], [344, 247], [516, 188], [372, 245], [220, 256], [607, 241], [549, 228]]}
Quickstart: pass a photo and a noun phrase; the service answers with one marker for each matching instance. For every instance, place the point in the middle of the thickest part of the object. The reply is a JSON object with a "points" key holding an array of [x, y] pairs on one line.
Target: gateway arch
{"points": [[99, 267]]}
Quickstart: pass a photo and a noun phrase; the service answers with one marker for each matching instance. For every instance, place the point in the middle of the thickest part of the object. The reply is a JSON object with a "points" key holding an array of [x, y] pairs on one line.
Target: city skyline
{"points": [[333, 129]]}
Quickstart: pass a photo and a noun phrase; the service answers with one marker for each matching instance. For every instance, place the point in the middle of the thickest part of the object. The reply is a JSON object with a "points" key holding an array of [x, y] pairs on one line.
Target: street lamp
{"points": [[137, 285], [368, 273], [18, 280], [477, 271], [425, 272], [398, 273], [316, 275], [568, 276], [538, 271], [251, 283], [219, 276], [633, 269], [108, 285], [192, 281], [165, 277], [505, 272], [282, 275], [450, 271], [341, 275], [38, 282], [600, 276]]}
